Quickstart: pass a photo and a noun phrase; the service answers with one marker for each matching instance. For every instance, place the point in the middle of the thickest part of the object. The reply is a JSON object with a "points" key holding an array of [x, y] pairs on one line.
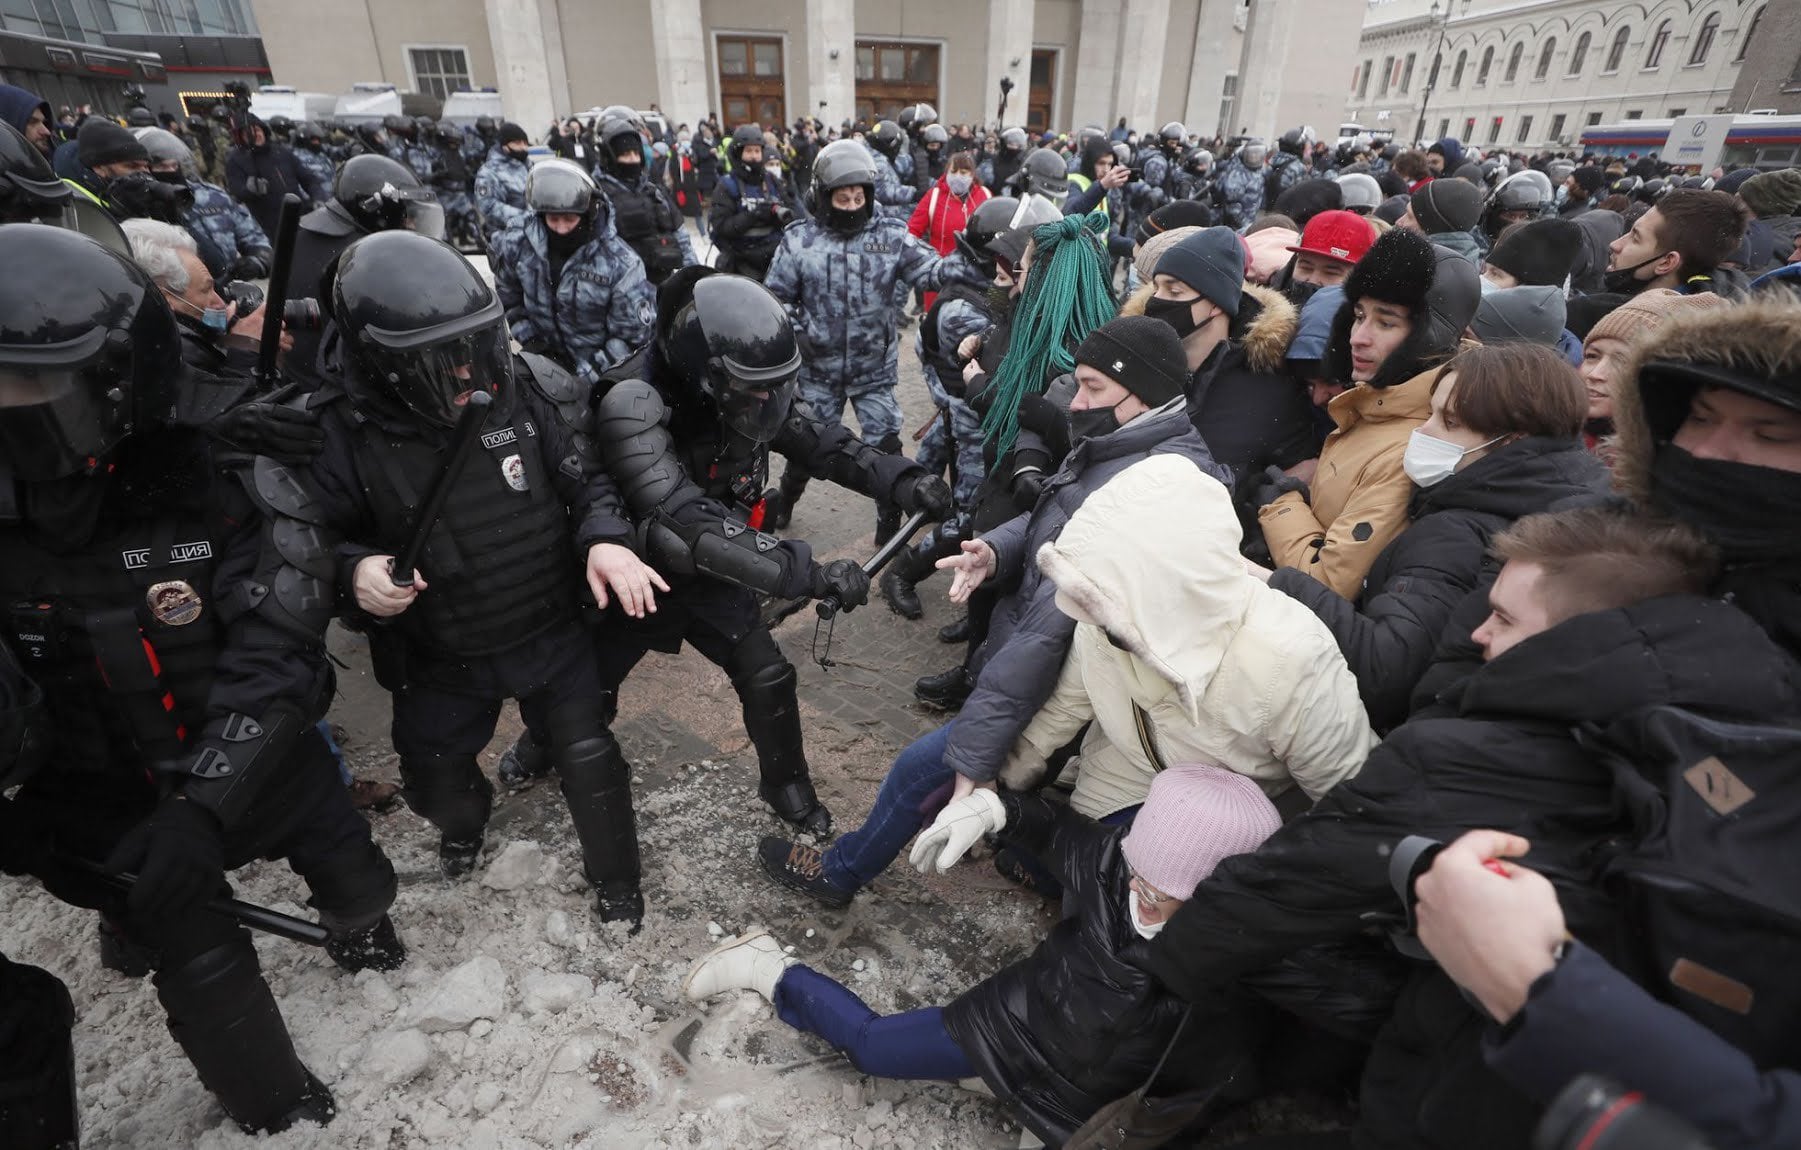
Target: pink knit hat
{"points": [[1194, 817]]}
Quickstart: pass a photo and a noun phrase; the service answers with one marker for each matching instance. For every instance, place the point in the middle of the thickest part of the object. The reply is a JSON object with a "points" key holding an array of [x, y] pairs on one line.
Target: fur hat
{"points": [[1590, 179], [1447, 206], [1194, 817], [1439, 289], [1308, 199], [1397, 269]]}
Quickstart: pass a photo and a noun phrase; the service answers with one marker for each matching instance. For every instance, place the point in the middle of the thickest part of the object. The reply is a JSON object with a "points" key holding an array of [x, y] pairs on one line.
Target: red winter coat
{"points": [[939, 216]]}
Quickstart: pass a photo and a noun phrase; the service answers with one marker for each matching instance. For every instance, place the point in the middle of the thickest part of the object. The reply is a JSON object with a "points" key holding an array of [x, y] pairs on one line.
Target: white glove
{"points": [[956, 829]]}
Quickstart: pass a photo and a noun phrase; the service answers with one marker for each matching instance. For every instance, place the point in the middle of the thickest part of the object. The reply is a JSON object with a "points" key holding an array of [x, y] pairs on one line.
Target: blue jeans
{"points": [[908, 799], [914, 1044]]}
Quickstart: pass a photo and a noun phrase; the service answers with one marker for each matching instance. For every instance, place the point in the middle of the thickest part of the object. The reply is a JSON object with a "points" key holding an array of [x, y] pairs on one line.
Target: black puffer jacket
{"points": [[1503, 755], [1389, 633], [1066, 1030]]}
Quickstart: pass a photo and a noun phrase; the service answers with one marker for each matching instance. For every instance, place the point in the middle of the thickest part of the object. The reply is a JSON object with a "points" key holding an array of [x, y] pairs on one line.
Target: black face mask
{"points": [[1625, 281], [1094, 421], [1177, 313], [174, 179], [1747, 512], [999, 301], [1299, 292], [564, 246], [847, 223]]}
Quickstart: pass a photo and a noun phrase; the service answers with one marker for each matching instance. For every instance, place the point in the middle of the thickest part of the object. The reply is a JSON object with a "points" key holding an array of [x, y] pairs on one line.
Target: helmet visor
{"points": [[755, 402], [54, 420], [434, 376], [412, 209]]}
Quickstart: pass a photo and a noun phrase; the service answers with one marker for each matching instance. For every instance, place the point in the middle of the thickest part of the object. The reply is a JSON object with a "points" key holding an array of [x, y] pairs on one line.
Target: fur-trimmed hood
{"points": [[1171, 599], [1761, 337], [1265, 326]]}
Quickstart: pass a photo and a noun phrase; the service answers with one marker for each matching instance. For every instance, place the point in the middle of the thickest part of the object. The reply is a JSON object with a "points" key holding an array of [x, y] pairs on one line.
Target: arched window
{"points": [[1710, 28], [1488, 59], [1457, 69], [1513, 61], [1659, 40], [1579, 54], [1617, 52], [1544, 58], [1744, 44]]}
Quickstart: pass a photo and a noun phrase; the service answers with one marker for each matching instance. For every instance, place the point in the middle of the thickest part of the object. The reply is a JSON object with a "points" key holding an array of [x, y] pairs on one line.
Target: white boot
{"points": [[752, 961]]}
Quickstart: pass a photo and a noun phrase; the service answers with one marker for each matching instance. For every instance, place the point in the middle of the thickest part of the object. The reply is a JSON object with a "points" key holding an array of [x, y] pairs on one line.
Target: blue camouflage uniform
{"points": [[1241, 190], [589, 315], [894, 197], [1285, 170], [317, 174], [223, 229], [839, 290], [475, 149], [903, 164], [422, 158], [958, 429], [500, 193]]}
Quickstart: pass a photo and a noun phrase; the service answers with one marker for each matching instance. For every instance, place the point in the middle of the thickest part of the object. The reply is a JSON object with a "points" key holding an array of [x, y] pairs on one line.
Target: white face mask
{"points": [[1430, 460], [959, 184], [1144, 929]]}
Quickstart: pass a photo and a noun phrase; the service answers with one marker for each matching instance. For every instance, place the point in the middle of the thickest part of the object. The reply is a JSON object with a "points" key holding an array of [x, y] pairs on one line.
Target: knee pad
{"points": [[757, 658]]}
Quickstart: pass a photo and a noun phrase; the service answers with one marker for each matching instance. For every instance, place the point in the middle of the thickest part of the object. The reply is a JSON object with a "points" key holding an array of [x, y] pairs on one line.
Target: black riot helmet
{"points": [[424, 126], [923, 116], [558, 186], [89, 353], [903, 119], [1625, 186], [380, 194], [743, 136], [138, 116], [731, 341], [885, 138], [29, 189], [1014, 140], [397, 127], [1652, 190], [934, 134], [309, 136], [618, 137], [985, 223], [1044, 174], [1524, 195], [422, 328], [844, 164], [1173, 137], [280, 127], [486, 128]]}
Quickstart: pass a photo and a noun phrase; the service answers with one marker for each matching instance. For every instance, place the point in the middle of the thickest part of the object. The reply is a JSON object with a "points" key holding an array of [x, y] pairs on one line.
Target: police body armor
{"points": [[647, 222], [499, 560], [944, 359], [121, 635], [729, 468]]}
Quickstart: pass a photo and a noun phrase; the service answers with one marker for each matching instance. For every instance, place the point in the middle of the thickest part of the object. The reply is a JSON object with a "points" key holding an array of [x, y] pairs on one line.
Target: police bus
{"points": [[1755, 140]]}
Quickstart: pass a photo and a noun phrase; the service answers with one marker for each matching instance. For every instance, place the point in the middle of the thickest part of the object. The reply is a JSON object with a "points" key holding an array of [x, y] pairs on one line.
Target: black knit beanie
{"points": [[1538, 253], [1143, 354], [512, 133], [100, 142]]}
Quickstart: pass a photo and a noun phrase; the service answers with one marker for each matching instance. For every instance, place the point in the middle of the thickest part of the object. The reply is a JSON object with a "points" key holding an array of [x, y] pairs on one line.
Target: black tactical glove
{"points": [[256, 186], [926, 493], [844, 581], [24, 842], [1027, 487], [251, 266], [286, 434], [178, 858], [1275, 485]]}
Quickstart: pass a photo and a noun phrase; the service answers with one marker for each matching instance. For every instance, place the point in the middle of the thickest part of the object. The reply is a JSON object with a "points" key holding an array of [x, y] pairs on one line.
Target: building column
{"points": [[679, 42], [1216, 48], [556, 60], [1009, 54], [831, 62], [521, 67], [1141, 65], [1097, 65], [1261, 67]]}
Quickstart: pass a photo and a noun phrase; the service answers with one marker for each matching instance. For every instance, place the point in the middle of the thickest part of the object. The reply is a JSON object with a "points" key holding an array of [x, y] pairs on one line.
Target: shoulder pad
{"points": [[553, 381], [633, 401], [325, 222], [279, 489]]}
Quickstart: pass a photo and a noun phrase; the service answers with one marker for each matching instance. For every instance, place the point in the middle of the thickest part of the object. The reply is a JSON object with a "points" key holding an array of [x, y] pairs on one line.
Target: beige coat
{"points": [[1357, 502], [1181, 656]]}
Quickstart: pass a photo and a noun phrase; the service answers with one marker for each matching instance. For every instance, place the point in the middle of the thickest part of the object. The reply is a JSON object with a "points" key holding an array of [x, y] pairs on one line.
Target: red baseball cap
{"points": [[1342, 236]]}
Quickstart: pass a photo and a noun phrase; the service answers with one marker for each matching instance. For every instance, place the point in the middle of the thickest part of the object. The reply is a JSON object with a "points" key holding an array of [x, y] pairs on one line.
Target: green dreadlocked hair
{"points": [[1066, 296]]}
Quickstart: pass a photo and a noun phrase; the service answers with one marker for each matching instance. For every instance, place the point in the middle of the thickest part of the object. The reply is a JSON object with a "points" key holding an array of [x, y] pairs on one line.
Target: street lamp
{"points": [[1419, 129]]}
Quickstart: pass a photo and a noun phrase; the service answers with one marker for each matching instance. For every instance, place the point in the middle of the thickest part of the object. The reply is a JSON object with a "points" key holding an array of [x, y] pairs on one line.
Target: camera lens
{"points": [[301, 314], [1593, 1113]]}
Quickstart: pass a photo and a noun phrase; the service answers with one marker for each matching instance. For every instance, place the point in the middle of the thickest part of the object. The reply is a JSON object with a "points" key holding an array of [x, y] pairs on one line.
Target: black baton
{"points": [[275, 301], [469, 425], [829, 606], [248, 913]]}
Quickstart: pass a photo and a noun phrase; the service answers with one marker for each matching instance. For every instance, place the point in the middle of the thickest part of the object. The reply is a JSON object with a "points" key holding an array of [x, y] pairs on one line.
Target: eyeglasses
{"points": [[1147, 893]]}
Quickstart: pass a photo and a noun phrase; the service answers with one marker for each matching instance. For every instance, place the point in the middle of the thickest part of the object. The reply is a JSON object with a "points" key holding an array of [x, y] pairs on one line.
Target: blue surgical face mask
{"points": [[216, 318], [959, 183]]}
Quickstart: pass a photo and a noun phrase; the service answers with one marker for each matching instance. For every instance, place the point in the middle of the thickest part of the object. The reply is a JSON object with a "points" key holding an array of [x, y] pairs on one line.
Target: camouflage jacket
{"points": [[317, 172], [500, 193], [895, 198], [223, 229], [839, 290], [1240, 189], [590, 314]]}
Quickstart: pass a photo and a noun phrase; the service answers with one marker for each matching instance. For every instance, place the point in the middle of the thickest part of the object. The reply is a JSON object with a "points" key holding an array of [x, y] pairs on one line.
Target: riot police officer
{"points": [[572, 289], [749, 208], [929, 156], [491, 613], [894, 196], [1526, 195], [371, 194], [997, 171], [231, 243], [837, 274], [317, 170], [500, 184], [686, 427], [173, 614], [644, 213]]}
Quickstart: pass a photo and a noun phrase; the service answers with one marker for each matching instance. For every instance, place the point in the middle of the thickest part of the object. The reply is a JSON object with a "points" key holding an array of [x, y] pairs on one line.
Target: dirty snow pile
{"points": [[519, 1021]]}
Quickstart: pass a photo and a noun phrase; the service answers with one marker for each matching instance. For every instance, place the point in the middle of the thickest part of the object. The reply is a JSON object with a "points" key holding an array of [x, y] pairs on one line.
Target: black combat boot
{"points": [[451, 793], [910, 568], [597, 784], [946, 690], [522, 764], [957, 632], [779, 502], [375, 947], [225, 1020], [772, 720]]}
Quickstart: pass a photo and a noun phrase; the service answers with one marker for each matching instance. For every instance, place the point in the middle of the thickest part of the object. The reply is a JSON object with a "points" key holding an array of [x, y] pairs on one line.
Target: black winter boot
{"points": [[909, 568], [375, 947], [451, 793], [225, 1020], [772, 720], [946, 690], [957, 632], [597, 784], [522, 764]]}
